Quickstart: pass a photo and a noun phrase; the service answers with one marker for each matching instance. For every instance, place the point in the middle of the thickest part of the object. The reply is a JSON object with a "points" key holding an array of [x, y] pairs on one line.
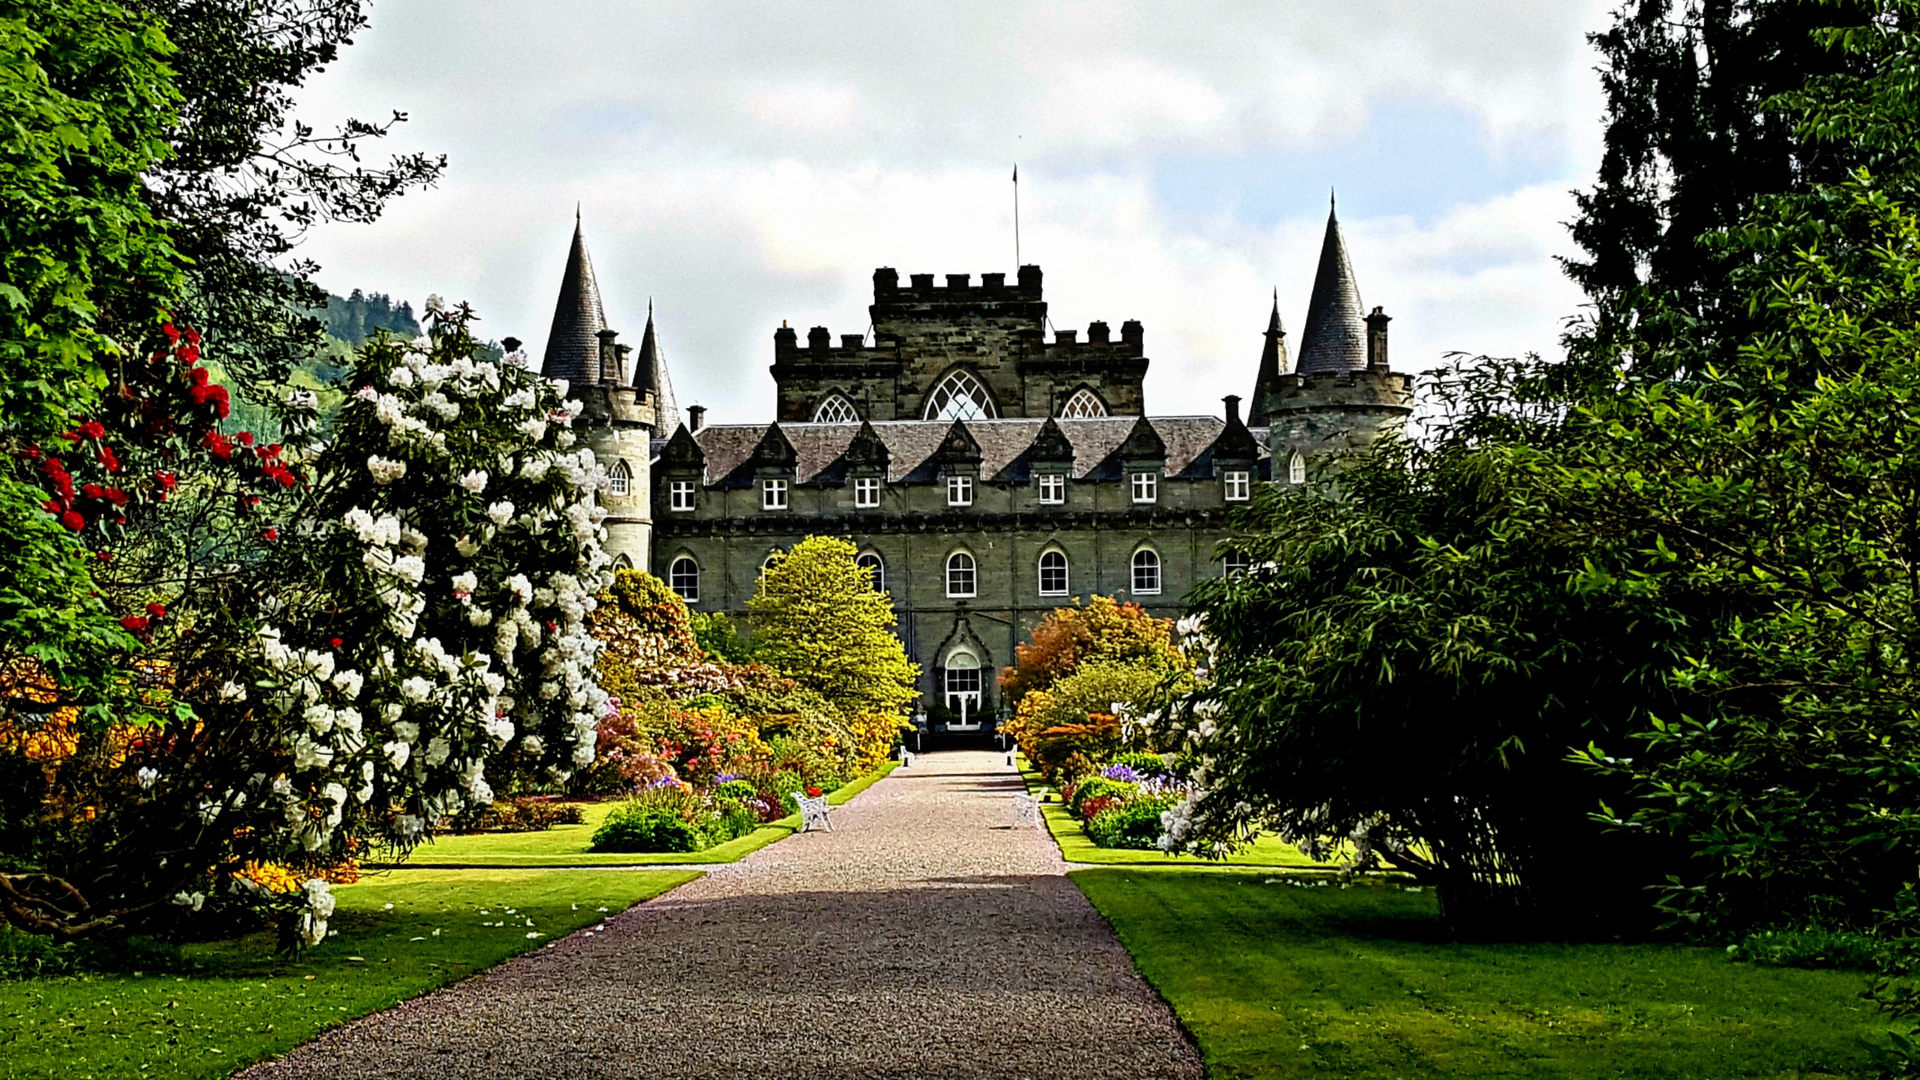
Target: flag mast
{"points": [[1016, 215]]}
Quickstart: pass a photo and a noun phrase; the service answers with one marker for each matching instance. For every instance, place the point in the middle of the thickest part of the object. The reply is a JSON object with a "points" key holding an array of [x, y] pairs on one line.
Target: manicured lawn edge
{"points": [[734, 850], [1077, 847], [223, 1005]]}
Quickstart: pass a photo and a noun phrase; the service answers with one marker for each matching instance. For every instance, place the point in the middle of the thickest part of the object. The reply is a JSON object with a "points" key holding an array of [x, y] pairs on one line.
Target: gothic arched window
{"points": [[835, 410], [960, 396], [620, 479], [1296, 469], [1084, 403], [684, 578]]}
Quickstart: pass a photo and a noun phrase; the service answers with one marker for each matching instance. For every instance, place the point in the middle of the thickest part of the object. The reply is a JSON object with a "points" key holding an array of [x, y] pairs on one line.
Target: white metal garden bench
{"points": [[813, 812], [1026, 810], [906, 757]]}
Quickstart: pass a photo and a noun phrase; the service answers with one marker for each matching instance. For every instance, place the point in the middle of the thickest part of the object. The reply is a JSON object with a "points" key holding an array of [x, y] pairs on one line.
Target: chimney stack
{"points": [[1377, 340], [696, 417], [1233, 409]]}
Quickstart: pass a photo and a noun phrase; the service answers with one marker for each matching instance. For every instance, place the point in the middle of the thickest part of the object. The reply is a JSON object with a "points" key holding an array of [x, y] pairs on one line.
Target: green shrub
{"points": [[829, 782], [1144, 765], [637, 827], [734, 820], [1131, 824], [784, 783], [735, 791], [517, 815], [1810, 949], [1096, 786]]}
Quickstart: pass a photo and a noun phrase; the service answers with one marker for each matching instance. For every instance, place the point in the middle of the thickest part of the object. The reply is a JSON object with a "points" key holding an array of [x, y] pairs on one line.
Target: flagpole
{"points": [[1016, 215]]}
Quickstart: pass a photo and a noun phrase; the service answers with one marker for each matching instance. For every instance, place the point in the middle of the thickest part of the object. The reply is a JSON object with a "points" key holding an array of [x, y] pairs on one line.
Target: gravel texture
{"points": [[924, 937]]}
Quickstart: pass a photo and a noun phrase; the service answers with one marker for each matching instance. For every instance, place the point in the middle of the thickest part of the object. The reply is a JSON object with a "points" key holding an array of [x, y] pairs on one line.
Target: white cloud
{"points": [[744, 164]]}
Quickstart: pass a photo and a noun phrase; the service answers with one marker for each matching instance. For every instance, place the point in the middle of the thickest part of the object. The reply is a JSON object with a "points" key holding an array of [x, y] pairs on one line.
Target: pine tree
{"points": [[819, 621]]}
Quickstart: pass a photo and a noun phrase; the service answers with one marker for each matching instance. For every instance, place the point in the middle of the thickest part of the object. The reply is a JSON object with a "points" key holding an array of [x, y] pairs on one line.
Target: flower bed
{"points": [[1121, 802]]}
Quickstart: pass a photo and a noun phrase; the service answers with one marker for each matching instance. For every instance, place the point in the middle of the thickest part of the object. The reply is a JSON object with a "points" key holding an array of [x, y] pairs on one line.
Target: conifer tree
{"points": [[819, 621]]}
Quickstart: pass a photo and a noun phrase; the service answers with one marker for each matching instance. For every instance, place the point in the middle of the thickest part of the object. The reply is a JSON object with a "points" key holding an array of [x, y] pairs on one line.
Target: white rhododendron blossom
{"points": [[407, 691]]}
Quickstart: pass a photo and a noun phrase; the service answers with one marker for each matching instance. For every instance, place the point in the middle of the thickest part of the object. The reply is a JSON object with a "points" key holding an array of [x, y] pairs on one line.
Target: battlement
{"points": [[959, 288], [1347, 389], [1099, 346]]}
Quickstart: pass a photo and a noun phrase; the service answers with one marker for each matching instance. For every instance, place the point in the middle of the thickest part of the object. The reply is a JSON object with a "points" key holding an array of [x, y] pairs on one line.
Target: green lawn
{"points": [[1076, 846], [566, 845], [1276, 977], [234, 1003]]}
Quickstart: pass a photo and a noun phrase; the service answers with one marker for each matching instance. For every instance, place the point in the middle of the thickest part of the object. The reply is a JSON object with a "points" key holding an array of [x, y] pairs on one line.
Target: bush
{"points": [[1131, 824], [1143, 764], [518, 815], [734, 821], [637, 827], [1810, 949], [738, 791], [1094, 788], [784, 783]]}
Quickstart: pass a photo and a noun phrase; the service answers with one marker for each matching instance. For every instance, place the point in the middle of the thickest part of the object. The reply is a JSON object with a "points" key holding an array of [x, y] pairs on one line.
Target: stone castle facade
{"points": [[986, 474]]}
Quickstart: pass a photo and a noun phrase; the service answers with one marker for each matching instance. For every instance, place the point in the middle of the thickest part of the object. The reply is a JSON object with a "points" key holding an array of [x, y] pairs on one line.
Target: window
{"points": [[1146, 487], [773, 494], [680, 496], [1237, 564], [1053, 489], [620, 479], [835, 410], [1296, 470], [866, 492], [875, 569], [622, 562], [1146, 572], [1237, 485], [960, 575], [683, 576], [772, 560], [1053, 574], [959, 396], [959, 491], [1084, 403], [963, 688]]}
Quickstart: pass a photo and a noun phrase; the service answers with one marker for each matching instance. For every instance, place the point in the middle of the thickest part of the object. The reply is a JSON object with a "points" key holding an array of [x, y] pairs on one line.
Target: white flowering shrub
{"points": [[342, 636]]}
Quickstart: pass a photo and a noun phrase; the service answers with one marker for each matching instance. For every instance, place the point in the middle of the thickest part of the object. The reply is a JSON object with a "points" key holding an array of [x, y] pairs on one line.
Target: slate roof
{"points": [[573, 343], [650, 373], [1335, 338], [913, 445]]}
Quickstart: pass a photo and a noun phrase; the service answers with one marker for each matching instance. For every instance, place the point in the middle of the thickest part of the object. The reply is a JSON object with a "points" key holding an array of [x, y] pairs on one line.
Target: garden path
{"points": [[922, 938]]}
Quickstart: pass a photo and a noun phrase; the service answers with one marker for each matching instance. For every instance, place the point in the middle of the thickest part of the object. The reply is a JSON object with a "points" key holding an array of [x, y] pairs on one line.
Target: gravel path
{"points": [[922, 938]]}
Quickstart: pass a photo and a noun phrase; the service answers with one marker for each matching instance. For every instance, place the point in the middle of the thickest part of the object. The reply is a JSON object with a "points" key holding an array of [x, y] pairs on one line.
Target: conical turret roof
{"points": [[1273, 364], [1335, 338], [573, 344], [650, 373]]}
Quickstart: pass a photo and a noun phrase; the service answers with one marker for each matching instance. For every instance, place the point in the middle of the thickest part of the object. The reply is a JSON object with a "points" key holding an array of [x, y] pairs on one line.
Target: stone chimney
{"points": [[696, 417], [1377, 340]]}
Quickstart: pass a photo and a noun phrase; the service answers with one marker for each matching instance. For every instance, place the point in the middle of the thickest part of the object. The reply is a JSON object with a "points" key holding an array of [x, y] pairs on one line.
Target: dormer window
{"points": [[1238, 485], [866, 492], [1146, 487], [959, 491], [680, 496], [773, 494], [1053, 489]]}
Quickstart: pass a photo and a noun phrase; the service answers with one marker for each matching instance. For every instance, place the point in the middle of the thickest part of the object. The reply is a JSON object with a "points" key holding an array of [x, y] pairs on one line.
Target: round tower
{"points": [[1341, 395]]}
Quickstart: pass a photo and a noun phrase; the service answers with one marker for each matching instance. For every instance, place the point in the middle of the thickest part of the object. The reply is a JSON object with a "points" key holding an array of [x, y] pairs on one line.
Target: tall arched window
{"points": [[772, 558], [619, 479], [836, 409], [963, 688], [1053, 573], [961, 576], [1146, 572], [960, 396], [875, 567], [683, 576], [1083, 403], [622, 562], [1296, 469]]}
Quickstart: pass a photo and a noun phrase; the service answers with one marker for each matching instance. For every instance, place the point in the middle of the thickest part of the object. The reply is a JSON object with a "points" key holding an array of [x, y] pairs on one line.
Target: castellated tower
{"points": [[626, 400], [1340, 395]]}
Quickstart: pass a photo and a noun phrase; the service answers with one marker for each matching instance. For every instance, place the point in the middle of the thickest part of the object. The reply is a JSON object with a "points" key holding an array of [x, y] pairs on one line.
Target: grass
{"points": [[566, 845], [1278, 980], [226, 1004], [1077, 847]]}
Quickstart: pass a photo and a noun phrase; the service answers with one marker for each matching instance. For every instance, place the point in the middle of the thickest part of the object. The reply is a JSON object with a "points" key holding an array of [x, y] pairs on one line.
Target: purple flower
{"points": [[1120, 772], [665, 781], [725, 778]]}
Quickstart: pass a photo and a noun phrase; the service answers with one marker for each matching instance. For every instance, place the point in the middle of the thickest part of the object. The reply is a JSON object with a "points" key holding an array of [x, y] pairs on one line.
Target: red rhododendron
{"points": [[158, 611], [135, 623]]}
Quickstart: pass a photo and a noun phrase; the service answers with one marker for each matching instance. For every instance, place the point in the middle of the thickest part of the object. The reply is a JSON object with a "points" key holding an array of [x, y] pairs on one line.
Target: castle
{"points": [[986, 474]]}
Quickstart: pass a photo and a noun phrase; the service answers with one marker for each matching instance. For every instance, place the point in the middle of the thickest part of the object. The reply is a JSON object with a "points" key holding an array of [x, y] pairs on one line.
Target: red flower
{"points": [[158, 611], [104, 556], [193, 336], [109, 459], [270, 534], [199, 377], [221, 447], [72, 520], [813, 792], [166, 480], [70, 436], [135, 623], [94, 491], [269, 451], [167, 328], [336, 643], [117, 497], [94, 429], [245, 438]]}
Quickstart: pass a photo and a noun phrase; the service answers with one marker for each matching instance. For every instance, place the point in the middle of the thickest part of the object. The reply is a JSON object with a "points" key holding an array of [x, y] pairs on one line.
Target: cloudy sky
{"points": [[741, 164]]}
